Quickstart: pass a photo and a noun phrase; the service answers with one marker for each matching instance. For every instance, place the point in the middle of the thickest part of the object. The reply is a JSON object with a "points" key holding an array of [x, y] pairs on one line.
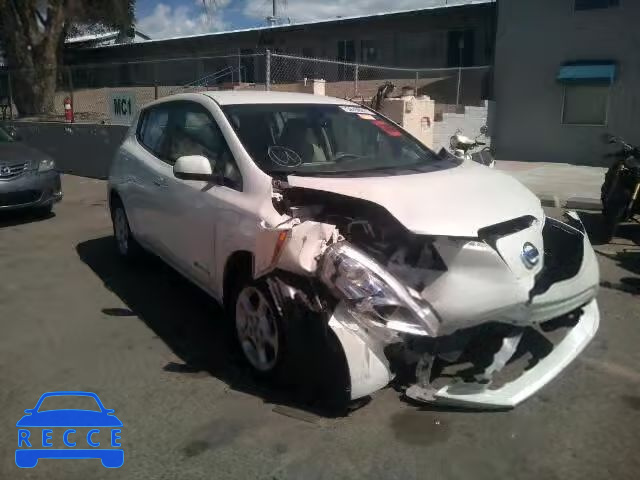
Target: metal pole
{"points": [[459, 81], [356, 78], [155, 81], [239, 68], [415, 85], [10, 95], [460, 47], [268, 72]]}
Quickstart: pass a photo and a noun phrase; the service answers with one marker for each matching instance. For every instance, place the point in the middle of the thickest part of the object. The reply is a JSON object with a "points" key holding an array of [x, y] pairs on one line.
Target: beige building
{"points": [[566, 71]]}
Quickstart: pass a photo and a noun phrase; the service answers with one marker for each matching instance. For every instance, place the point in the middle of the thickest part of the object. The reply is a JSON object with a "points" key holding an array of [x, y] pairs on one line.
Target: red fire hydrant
{"points": [[68, 110]]}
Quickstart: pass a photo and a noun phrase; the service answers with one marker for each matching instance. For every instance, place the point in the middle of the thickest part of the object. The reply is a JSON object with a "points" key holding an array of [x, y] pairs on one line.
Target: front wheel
{"points": [[289, 345], [259, 328], [126, 244]]}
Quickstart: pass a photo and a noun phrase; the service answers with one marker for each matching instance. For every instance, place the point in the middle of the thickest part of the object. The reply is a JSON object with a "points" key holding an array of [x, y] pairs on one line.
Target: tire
{"points": [[259, 329], [308, 363], [126, 245], [608, 182], [44, 211], [612, 218]]}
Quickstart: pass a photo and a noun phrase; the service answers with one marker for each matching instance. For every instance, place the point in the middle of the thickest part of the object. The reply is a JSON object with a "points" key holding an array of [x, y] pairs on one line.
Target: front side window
{"points": [[585, 104], [191, 130], [308, 139]]}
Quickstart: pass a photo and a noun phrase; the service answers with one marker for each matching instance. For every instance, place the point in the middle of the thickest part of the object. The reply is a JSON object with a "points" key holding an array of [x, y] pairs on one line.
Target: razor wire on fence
{"points": [[94, 89]]}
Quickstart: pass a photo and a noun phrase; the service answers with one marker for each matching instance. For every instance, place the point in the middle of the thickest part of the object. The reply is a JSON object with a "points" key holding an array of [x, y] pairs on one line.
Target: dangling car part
{"points": [[621, 187]]}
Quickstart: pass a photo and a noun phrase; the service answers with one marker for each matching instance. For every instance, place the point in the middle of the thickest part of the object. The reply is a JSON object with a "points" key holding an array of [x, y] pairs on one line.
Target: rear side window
{"points": [[152, 129]]}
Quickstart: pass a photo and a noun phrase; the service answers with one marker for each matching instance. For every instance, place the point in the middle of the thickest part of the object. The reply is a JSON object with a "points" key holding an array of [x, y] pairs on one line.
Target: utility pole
{"points": [[273, 19]]}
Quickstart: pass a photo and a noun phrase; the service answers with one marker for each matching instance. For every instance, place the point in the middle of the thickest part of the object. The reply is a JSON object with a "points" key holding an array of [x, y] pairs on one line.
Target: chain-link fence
{"points": [[360, 82], [92, 88]]}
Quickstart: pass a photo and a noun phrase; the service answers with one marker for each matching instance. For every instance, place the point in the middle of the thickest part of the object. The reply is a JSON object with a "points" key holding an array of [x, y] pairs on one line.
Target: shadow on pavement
{"points": [[191, 324], [20, 217], [594, 223]]}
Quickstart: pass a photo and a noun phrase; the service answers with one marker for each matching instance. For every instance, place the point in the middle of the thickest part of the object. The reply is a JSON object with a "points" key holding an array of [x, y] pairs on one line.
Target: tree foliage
{"points": [[32, 34]]}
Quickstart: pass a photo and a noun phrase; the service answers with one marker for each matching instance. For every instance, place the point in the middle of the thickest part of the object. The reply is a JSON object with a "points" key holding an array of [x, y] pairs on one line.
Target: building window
{"points": [[594, 4], [369, 51], [585, 104]]}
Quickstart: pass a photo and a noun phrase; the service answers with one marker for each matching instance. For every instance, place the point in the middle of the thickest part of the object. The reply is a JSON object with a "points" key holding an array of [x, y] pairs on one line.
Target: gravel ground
{"points": [[153, 347]]}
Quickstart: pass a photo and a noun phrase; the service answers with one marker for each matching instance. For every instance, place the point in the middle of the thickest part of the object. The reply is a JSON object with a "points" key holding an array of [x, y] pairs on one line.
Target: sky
{"points": [[171, 18]]}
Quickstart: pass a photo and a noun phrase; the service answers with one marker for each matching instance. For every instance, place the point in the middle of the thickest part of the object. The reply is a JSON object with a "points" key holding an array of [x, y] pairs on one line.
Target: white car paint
{"points": [[196, 227]]}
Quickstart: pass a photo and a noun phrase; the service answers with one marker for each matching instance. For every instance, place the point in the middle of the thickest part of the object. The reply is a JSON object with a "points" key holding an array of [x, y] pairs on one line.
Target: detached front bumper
{"points": [[532, 380], [30, 190]]}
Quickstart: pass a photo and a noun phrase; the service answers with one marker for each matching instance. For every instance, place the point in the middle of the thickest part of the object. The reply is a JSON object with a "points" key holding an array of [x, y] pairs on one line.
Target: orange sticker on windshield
{"points": [[366, 117], [387, 128]]}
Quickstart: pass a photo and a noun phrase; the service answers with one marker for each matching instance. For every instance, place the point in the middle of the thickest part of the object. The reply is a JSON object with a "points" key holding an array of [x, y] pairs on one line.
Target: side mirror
{"points": [[194, 167]]}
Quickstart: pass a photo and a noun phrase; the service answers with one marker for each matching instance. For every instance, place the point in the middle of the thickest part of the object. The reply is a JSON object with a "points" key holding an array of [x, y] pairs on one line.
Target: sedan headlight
{"points": [[46, 165], [370, 291]]}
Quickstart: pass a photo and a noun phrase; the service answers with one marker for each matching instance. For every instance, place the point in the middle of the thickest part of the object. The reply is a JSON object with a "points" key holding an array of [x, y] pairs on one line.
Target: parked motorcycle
{"points": [[462, 146], [621, 187]]}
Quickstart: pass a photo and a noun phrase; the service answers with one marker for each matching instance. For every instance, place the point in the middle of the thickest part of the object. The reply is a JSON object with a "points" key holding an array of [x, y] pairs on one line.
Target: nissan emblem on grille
{"points": [[530, 255]]}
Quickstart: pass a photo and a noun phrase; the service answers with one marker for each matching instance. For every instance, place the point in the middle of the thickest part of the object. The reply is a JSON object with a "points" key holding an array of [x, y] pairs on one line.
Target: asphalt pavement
{"points": [[155, 349]]}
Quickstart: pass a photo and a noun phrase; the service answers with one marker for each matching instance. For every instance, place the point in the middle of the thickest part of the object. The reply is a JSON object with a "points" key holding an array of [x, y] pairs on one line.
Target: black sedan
{"points": [[28, 177]]}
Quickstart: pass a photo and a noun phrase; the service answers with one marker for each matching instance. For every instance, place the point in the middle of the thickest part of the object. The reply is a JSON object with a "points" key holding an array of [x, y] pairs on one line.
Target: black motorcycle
{"points": [[621, 187]]}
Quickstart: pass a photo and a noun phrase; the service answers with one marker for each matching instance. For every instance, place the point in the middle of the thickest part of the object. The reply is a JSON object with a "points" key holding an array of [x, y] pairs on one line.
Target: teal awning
{"points": [[601, 72]]}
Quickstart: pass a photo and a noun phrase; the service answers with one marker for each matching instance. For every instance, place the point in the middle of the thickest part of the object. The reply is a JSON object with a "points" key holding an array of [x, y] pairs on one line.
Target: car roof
{"points": [[243, 97]]}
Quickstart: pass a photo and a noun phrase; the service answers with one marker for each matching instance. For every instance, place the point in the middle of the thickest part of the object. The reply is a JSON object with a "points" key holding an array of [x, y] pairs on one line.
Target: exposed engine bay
{"points": [[482, 321]]}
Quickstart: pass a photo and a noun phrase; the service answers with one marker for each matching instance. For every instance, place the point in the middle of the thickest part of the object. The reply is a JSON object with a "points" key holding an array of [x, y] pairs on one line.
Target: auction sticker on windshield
{"points": [[353, 109], [48, 431]]}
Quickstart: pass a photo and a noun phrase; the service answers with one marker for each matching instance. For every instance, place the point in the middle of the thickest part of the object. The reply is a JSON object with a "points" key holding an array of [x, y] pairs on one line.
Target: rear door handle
{"points": [[160, 182]]}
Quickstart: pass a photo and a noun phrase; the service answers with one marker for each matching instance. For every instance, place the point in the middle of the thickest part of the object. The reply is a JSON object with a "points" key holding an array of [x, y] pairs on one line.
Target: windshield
{"points": [[316, 139], [5, 137]]}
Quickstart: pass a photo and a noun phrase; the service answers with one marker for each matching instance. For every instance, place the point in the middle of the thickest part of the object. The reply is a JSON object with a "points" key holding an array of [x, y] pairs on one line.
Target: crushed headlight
{"points": [[370, 291], [46, 165]]}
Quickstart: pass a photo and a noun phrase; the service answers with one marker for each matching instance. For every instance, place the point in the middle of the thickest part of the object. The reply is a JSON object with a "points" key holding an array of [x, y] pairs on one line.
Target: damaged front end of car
{"points": [[480, 322]]}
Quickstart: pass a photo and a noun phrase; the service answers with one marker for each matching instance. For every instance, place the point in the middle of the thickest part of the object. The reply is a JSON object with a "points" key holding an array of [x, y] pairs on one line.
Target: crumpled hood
{"points": [[455, 202]]}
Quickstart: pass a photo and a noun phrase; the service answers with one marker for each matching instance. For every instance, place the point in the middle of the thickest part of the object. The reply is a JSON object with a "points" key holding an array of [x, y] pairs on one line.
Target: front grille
{"points": [[12, 170], [19, 198]]}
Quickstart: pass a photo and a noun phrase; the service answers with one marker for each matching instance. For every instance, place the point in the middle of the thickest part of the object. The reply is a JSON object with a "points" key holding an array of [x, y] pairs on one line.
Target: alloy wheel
{"points": [[257, 329]]}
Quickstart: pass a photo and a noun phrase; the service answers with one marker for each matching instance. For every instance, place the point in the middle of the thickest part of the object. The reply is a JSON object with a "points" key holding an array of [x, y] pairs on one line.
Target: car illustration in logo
{"points": [[33, 446]]}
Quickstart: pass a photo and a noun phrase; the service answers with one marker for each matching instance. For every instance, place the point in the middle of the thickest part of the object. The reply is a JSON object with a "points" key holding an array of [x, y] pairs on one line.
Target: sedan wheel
{"points": [[257, 329], [126, 244], [121, 231]]}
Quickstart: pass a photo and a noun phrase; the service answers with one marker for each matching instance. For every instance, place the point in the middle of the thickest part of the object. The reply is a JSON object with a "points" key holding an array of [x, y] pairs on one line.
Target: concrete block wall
{"points": [[468, 122]]}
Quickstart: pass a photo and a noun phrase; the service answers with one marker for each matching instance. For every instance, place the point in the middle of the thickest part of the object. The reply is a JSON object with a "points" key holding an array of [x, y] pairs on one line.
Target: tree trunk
{"points": [[31, 44], [34, 90]]}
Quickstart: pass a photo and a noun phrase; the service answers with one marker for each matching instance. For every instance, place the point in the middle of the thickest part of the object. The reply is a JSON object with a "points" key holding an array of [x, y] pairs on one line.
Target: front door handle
{"points": [[160, 182]]}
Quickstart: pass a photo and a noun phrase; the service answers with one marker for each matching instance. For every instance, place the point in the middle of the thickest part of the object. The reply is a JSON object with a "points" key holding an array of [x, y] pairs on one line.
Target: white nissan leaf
{"points": [[349, 255]]}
